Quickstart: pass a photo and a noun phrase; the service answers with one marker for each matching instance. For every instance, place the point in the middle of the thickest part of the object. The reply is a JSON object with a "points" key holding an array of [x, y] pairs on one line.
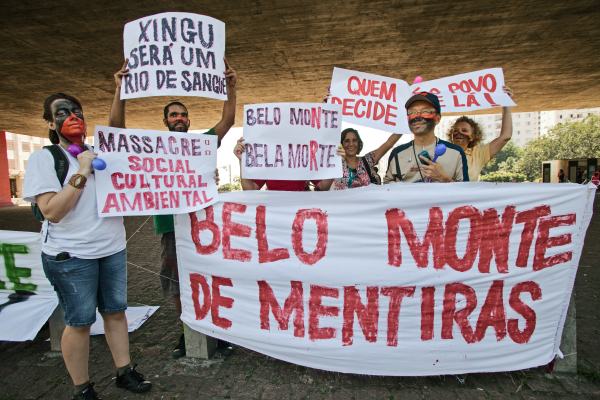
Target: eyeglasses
{"points": [[423, 113]]}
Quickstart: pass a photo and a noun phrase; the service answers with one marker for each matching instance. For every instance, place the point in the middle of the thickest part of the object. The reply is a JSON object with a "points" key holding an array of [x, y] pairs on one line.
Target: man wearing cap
{"points": [[409, 162]]}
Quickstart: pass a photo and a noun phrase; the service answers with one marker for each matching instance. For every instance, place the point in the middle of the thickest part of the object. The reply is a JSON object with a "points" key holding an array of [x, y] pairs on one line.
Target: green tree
{"points": [[231, 187], [569, 140], [504, 160]]}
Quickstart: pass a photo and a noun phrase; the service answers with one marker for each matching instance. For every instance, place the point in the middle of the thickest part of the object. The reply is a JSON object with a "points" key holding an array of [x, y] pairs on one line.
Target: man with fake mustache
{"points": [[416, 161], [176, 119]]}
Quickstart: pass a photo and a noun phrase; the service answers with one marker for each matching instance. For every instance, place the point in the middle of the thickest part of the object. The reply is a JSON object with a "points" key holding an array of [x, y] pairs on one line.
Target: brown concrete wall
{"points": [[285, 51]]}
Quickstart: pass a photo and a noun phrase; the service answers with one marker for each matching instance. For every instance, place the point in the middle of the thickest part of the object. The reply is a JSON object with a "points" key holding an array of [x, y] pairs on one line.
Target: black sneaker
{"points": [[133, 381], [179, 351], [87, 394]]}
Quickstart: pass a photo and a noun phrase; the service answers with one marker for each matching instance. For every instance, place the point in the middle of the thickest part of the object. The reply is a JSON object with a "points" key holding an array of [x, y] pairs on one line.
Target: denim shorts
{"points": [[82, 285]]}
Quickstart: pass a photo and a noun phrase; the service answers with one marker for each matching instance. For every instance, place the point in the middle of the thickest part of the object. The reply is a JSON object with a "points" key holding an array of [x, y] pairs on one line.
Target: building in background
{"points": [[526, 125], [19, 148], [548, 119]]}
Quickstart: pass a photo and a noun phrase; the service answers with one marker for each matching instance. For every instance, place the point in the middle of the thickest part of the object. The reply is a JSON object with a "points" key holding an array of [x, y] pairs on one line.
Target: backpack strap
{"points": [[398, 174], [61, 162]]}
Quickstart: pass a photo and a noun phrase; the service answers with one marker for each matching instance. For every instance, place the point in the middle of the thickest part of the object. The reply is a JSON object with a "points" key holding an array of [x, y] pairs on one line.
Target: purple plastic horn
{"points": [[440, 149], [97, 163]]}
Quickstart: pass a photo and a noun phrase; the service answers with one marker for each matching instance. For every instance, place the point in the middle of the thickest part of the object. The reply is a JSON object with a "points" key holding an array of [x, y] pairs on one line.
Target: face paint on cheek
{"points": [[73, 128]]}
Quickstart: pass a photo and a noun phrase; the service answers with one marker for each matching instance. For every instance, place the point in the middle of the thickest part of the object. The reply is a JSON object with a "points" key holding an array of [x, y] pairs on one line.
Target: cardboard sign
{"points": [[371, 100], [468, 92], [154, 172], [291, 141], [175, 54], [404, 279]]}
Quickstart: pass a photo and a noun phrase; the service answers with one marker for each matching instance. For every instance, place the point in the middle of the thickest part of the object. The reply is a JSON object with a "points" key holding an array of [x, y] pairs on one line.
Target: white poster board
{"points": [[404, 279], [371, 100], [154, 172], [174, 54], [468, 92], [26, 297], [291, 141]]}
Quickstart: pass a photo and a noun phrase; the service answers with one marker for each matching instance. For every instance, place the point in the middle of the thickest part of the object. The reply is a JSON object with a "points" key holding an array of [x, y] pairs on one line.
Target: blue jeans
{"points": [[82, 285]]}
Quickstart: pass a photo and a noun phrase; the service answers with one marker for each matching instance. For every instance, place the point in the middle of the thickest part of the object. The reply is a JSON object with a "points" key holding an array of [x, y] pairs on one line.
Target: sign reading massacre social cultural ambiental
{"points": [[291, 141], [468, 92], [154, 172], [404, 279], [174, 54]]}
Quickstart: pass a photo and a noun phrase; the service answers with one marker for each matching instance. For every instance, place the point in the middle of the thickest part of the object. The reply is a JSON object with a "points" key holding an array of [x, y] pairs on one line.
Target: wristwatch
{"points": [[77, 181]]}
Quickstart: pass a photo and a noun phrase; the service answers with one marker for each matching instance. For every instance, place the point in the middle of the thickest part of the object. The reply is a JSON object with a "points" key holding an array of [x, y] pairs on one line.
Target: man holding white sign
{"points": [[176, 119], [426, 158]]}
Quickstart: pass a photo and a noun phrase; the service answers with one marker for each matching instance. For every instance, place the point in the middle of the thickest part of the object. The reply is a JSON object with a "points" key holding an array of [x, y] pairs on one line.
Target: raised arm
{"points": [[228, 115], [386, 146], [247, 184], [117, 108], [505, 131]]}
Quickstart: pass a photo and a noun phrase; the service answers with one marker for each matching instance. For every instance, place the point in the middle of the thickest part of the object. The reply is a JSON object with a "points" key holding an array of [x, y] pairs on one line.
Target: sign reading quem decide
{"points": [[175, 54]]}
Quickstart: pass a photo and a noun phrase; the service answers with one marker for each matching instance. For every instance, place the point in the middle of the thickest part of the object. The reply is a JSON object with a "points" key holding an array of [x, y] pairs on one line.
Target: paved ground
{"points": [[29, 371]]}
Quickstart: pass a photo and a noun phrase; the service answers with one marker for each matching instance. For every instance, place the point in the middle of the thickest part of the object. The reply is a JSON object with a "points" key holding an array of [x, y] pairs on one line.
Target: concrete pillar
{"points": [[4, 178], [568, 344], [198, 345], [57, 326]]}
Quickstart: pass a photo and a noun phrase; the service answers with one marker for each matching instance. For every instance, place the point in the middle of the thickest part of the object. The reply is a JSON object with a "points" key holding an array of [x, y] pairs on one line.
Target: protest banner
{"points": [[291, 141], [468, 92], [26, 297], [154, 172], [174, 54], [404, 279], [371, 100]]}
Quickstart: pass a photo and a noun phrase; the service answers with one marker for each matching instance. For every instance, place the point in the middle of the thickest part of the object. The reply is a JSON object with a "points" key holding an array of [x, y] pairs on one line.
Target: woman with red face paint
{"points": [[83, 256], [467, 133]]}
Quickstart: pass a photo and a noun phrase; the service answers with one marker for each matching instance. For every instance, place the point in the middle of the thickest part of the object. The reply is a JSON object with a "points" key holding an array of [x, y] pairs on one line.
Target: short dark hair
{"points": [[345, 133], [173, 103], [52, 134]]}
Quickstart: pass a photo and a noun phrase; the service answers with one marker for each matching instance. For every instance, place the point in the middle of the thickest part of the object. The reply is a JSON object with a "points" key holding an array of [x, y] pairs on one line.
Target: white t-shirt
{"points": [[81, 232]]}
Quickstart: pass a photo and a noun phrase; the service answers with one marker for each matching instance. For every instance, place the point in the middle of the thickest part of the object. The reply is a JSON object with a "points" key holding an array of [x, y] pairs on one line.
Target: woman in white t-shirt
{"points": [[83, 255]]}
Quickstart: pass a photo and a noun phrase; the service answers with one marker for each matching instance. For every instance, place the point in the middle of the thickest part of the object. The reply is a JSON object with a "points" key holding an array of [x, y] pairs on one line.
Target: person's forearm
{"points": [[55, 206], [228, 114], [117, 111], [386, 146], [507, 128], [247, 184]]}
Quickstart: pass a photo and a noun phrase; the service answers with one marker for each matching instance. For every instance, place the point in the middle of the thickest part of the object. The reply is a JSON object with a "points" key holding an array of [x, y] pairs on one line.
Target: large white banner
{"points": [[468, 92], [154, 172], [174, 54], [26, 297], [404, 279], [291, 141], [371, 100]]}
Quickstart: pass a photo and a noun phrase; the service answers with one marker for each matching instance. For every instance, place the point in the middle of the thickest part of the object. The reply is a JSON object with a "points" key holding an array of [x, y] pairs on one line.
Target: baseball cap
{"points": [[428, 97]]}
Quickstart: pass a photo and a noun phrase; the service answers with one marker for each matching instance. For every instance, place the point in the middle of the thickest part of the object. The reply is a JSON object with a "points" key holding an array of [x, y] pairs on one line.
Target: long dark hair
{"points": [[52, 134]]}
